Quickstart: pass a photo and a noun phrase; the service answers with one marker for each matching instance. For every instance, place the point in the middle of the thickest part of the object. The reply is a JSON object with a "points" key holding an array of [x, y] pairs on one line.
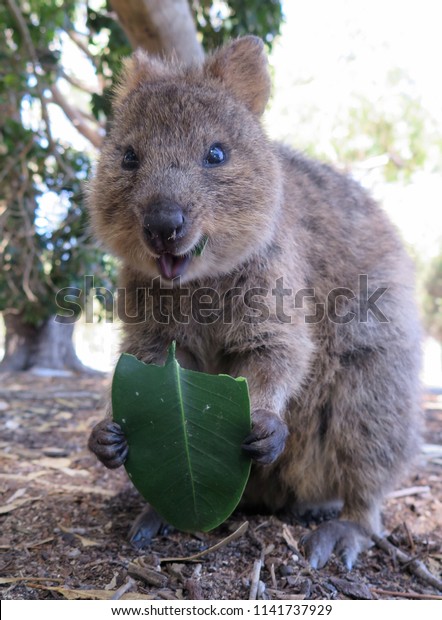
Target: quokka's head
{"points": [[187, 184]]}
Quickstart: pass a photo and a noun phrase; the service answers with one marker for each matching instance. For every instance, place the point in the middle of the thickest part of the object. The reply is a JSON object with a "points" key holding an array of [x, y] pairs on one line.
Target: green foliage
{"points": [[195, 450], [41, 252], [219, 21], [383, 125], [432, 304], [399, 133], [110, 45]]}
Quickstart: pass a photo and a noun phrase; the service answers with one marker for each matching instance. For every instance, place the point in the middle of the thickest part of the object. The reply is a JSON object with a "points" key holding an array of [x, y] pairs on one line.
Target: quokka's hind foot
{"points": [[345, 539]]}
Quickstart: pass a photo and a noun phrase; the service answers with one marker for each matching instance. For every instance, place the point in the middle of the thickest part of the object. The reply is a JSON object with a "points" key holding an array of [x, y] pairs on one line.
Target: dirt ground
{"points": [[64, 520]]}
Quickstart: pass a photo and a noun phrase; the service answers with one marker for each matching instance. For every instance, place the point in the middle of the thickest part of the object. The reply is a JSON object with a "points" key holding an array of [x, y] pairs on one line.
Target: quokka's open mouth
{"points": [[171, 266]]}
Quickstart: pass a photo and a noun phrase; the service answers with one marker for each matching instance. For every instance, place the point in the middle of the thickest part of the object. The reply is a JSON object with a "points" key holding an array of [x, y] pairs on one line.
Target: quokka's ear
{"points": [[242, 67], [138, 68]]}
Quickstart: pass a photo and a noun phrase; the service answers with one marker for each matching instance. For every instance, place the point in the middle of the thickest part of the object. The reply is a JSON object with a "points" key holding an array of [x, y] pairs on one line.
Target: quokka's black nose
{"points": [[164, 225]]}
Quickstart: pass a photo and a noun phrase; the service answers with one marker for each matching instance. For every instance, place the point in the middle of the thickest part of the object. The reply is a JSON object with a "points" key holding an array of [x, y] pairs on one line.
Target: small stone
{"points": [[54, 452], [73, 553], [285, 570]]}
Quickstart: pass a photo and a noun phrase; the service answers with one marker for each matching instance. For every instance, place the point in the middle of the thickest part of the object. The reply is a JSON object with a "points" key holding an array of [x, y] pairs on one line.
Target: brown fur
{"points": [[349, 392]]}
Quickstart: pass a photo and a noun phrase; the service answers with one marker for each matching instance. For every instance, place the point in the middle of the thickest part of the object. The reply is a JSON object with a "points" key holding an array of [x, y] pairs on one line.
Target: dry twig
{"points": [[236, 534], [409, 491], [147, 574], [414, 565], [193, 585], [123, 589], [256, 572], [415, 595]]}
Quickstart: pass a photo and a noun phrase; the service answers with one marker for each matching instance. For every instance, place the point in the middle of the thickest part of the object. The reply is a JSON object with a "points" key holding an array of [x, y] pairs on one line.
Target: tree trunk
{"points": [[163, 27], [48, 346]]}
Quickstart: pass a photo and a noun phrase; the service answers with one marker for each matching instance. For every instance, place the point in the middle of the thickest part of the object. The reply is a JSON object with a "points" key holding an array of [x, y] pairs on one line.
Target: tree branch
{"points": [[76, 38], [21, 23], [15, 160], [78, 83], [76, 118], [148, 24]]}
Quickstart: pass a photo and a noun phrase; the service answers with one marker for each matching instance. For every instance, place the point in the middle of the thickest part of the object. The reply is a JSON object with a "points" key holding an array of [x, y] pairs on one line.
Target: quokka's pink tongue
{"points": [[171, 266], [165, 264]]}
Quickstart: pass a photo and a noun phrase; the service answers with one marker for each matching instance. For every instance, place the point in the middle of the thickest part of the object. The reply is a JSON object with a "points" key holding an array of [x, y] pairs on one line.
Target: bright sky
{"points": [[314, 81], [380, 33]]}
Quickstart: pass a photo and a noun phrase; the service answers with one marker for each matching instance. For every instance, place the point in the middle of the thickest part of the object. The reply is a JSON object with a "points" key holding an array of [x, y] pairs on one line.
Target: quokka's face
{"points": [[187, 184]]}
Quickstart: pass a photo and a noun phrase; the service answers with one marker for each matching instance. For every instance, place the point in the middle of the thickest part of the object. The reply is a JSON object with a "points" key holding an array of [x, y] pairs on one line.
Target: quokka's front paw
{"points": [[108, 443], [267, 439]]}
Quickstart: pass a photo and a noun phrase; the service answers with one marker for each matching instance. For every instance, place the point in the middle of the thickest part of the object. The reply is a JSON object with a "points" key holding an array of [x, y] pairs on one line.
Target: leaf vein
{"points": [[186, 442]]}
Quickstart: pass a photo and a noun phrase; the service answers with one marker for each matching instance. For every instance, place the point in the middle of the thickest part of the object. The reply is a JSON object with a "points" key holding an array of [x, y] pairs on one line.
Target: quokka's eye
{"points": [[130, 160], [216, 155]]}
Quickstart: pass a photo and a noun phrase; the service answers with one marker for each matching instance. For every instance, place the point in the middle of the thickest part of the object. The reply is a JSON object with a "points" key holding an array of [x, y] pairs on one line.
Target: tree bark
{"points": [[48, 346], [163, 27]]}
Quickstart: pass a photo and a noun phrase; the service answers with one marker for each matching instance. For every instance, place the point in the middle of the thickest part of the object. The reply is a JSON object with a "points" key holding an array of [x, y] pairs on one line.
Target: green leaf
{"points": [[199, 249], [184, 430]]}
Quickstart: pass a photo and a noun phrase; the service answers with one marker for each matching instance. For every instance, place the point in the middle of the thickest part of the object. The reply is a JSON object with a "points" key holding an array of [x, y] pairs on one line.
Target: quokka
{"points": [[335, 397]]}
